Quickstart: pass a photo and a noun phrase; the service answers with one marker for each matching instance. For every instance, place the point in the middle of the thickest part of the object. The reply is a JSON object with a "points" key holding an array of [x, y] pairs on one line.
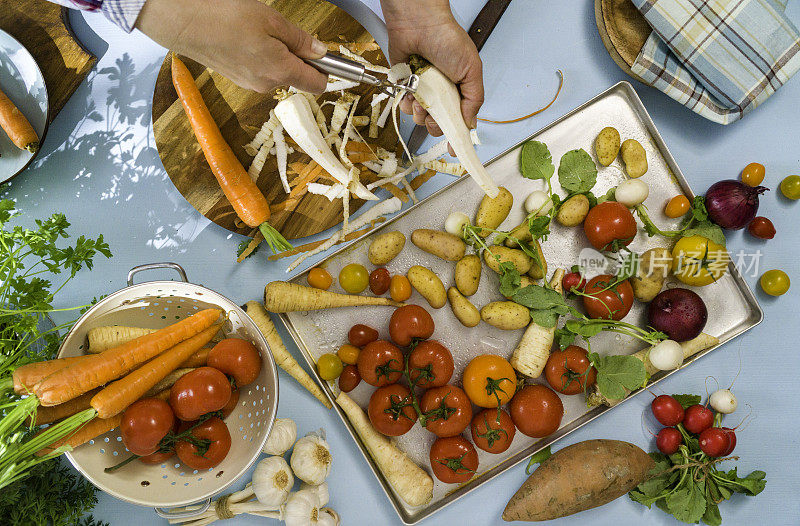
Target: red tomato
{"points": [[144, 423], [198, 392], [360, 335], [206, 446], [762, 228], [446, 409], [408, 323], [607, 301], [380, 363], [566, 370], [158, 457], [453, 459], [390, 410], [610, 226], [536, 410], [573, 280], [379, 281], [430, 364], [230, 407], [493, 431], [237, 358], [349, 379]]}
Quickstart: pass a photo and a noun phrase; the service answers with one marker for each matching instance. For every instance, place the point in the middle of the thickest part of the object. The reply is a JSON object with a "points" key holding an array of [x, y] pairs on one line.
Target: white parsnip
{"points": [[105, 337], [254, 170], [282, 155]]}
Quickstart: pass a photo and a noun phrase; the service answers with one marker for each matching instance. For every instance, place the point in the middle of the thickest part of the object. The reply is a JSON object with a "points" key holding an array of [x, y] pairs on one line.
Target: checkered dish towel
{"points": [[719, 58]]}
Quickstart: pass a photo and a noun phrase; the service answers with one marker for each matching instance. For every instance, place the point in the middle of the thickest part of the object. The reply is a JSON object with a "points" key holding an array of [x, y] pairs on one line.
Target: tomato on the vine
{"points": [[536, 410], [230, 407], [446, 409], [566, 371], [489, 380], [606, 298], [410, 322], [198, 392], [380, 363], [390, 410], [493, 431], [237, 358], [453, 459], [430, 364], [158, 457], [610, 226], [144, 423], [205, 446]]}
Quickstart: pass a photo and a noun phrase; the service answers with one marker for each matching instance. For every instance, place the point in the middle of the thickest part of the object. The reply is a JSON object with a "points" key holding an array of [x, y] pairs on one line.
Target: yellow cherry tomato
{"points": [[790, 187], [753, 174], [348, 353], [399, 288], [677, 206], [354, 278], [699, 261], [775, 282], [319, 278], [329, 366], [489, 380]]}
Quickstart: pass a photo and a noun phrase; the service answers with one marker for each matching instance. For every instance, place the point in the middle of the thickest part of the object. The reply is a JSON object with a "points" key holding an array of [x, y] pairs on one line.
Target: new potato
{"points": [[520, 232], [538, 271], [386, 247], [573, 211], [492, 212], [506, 315], [440, 244], [655, 266], [463, 309], [521, 261], [428, 285], [607, 145], [634, 157], [468, 274]]}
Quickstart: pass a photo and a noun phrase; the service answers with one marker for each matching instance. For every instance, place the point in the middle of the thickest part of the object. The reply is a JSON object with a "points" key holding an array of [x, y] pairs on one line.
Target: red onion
{"points": [[732, 204]]}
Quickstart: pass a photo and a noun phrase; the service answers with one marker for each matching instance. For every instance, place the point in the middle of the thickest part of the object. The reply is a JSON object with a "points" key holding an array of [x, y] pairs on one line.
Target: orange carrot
{"points": [[27, 376], [17, 127], [119, 395], [91, 429], [48, 415], [98, 369]]}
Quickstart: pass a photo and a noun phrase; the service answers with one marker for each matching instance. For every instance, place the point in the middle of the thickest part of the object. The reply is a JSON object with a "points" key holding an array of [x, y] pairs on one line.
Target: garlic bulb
{"points": [[281, 437], [272, 481], [311, 459], [321, 491], [303, 509], [334, 516]]}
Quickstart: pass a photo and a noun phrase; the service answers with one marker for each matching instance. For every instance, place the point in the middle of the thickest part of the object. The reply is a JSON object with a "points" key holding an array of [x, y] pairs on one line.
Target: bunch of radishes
{"points": [[697, 419]]}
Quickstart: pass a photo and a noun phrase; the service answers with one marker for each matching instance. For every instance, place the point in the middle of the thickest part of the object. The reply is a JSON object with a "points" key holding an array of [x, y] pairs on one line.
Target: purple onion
{"points": [[732, 204], [678, 312]]}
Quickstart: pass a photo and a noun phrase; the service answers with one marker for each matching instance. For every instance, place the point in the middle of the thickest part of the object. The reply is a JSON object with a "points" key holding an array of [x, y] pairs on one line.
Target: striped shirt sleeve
{"points": [[121, 12]]}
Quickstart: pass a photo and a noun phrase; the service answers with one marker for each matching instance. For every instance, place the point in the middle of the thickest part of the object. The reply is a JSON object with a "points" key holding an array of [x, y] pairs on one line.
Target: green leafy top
{"points": [[695, 224], [687, 400], [535, 161], [545, 304], [617, 375], [577, 172]]}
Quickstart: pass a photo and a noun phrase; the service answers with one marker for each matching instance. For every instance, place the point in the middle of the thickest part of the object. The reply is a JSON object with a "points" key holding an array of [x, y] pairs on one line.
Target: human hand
{"points": [[428, 28], [244, 40]]}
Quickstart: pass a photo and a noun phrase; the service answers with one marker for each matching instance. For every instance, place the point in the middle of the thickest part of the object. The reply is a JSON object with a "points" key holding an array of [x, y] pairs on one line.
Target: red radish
{"points": [[698, 418], [669, 440], [732, 441], [714, 442], [667, 410], [573, 280]]}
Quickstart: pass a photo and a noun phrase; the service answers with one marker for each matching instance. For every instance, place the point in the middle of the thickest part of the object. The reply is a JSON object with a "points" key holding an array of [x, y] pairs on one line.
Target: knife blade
{"points": [[479, 32]]}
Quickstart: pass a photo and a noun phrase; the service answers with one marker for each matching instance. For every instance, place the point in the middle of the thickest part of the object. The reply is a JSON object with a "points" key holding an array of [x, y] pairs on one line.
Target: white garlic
{"points": [[321, 490], [333, 519], [311, 459], [303, 509], [281, 437], [272, 481]]}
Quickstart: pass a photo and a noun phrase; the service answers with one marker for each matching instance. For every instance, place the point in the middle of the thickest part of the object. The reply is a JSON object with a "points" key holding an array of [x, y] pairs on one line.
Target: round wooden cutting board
{"points": [[240, 113], [623, 30]]}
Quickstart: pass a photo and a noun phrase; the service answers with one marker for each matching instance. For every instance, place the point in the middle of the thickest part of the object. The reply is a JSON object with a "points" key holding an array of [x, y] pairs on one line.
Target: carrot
{"points": [[48, 415], [314, 244], [17, 127], [117, 396], [98, 369], [280, 296], [92, 429], [247, 200], [26, 377]]}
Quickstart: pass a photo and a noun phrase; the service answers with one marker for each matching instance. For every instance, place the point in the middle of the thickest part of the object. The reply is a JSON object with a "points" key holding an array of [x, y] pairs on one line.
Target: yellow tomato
{"points": [[699, 261], [489, 381], [753, 174], [329, 366], [319, 278], [677, 206], [399, 288], [348, 353], [775, 282], [354, 278]]}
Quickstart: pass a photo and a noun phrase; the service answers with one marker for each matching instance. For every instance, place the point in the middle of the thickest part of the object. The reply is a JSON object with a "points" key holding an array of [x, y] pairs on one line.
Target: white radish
{"points": [[666, 355], [455, 222], [539, 203], [631, 192], [723, 401]]}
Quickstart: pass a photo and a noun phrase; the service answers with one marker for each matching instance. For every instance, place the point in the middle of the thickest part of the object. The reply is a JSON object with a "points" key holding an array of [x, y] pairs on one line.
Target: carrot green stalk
{"points": [[91, 429], [48, 415], [17, 127], [247, 200], [280, 296], [27, 376]]}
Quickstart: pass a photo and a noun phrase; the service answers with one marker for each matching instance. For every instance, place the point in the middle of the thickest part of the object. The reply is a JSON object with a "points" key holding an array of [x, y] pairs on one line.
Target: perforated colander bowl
{"points": [[156, 304]]}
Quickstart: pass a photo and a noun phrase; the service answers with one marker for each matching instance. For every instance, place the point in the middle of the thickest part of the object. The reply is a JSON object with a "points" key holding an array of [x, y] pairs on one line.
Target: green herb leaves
{"points": [[708, 230], [537, 458], [617, 375], [687, 400], [546, 304], [577, 172], [535, 161]]}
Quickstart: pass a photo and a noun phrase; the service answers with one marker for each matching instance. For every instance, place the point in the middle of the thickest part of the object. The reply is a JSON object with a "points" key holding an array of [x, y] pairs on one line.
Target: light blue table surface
{"points": [[99, 166]]}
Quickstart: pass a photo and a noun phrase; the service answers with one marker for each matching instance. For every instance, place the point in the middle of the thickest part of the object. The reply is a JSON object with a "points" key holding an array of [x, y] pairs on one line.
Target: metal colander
{"points": [[156, 304]]}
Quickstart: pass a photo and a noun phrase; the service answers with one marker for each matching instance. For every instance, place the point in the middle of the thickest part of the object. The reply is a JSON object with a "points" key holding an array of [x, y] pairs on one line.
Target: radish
{"points": [[697, 419], [667, 410], [538, 203], [723, 401], [455, 223], [669, 440], [714, 442], [666, 355], [732, 438], [631, 192]]}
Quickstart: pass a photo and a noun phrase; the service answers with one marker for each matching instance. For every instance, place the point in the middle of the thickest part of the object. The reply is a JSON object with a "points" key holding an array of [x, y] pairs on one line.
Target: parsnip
{"points": [[280, 296], [104, 338]]}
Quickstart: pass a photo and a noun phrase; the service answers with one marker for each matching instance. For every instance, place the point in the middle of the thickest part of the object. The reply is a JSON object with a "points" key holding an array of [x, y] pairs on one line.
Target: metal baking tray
{"points": [[732, 305]]}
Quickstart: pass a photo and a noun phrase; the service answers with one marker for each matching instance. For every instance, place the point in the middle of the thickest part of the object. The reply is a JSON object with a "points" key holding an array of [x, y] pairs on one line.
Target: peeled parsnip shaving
{"points": [[258, 162], [263, 135], [282, 154], [337, 84], [444, 167]]}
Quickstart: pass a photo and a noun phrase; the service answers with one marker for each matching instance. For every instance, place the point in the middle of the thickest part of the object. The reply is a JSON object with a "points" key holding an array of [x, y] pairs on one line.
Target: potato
{"points": [[441, 244], [468, 274], [492, 212], [506, 315], [538, 271], [606, 146], [634, 157], [428, 285], [524, 281], [573, 211], [386, 247], [521, 261], [463, 309], [655, 266], [577, 478], [520, 232]]}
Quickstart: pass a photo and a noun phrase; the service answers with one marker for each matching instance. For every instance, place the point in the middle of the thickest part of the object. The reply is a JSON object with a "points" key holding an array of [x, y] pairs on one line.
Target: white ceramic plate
{"points": [[22, 81]]}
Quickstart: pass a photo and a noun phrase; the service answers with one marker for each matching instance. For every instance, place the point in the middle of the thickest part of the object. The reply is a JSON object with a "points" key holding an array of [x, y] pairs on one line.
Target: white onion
{"points": [[666, 355], [632, 192], [538, 202], [723, 401]]}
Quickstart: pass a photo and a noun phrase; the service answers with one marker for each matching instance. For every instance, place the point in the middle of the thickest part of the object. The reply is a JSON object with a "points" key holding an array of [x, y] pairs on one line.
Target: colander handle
{"points": [[167, 513], [152, 266]]}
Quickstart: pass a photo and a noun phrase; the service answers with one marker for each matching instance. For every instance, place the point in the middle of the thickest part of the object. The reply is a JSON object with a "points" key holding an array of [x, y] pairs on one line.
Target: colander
{"points": [[156, 304]]}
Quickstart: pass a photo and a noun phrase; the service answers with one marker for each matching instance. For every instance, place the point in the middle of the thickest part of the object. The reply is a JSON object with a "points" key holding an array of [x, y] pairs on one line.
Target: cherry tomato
{"points": [[566, 371], [198, 392], [380, 363], [775, 282], [348, 354], [762, 228], [489, 380], [399, 288], [360, 335], [447, 410], [329, 366], [430, 364], [753, 174], [714, 442], [573, 280], [610, 226], [669, 440], [390, 410], [144, 423], [453, 459], [697, 418], [607, 301], [349, 379], [158, 457], [354, 278], [732, 441], [319, 278], [536, 410], [230, 407], [790, 187], [207, 445], [678, 206], [379, 281], [410, 322], [667, 410], [237, 358], [493, 431]]}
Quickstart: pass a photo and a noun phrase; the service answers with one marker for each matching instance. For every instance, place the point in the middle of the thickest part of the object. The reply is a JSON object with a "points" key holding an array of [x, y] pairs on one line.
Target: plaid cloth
{"points": [[122, 12], [719, 58]]}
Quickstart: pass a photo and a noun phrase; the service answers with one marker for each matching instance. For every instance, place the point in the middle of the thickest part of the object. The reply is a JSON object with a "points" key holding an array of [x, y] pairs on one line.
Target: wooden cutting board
{"points": [[43, 28], [239, 114], [623, 30]]}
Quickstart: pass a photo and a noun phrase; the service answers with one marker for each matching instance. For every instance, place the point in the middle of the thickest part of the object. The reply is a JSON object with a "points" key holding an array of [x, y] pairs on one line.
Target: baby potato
{"points": [[536, 271], [428, 285], [492, 212], [524, 281], [606, 146], [521, 261], [654, 267], [506, 315], [441, 244], [573, 211], [386, 247], [468, 274], [634, 157], [463, 309], [520, 232]]}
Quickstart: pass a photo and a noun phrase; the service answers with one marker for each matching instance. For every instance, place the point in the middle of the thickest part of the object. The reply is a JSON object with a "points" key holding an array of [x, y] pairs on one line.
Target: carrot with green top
{"points": [[17, 127], [27, 376]]}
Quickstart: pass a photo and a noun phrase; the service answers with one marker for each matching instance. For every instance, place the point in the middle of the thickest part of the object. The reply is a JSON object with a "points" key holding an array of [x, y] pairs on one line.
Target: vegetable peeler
{"points": [[347, 69]]}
